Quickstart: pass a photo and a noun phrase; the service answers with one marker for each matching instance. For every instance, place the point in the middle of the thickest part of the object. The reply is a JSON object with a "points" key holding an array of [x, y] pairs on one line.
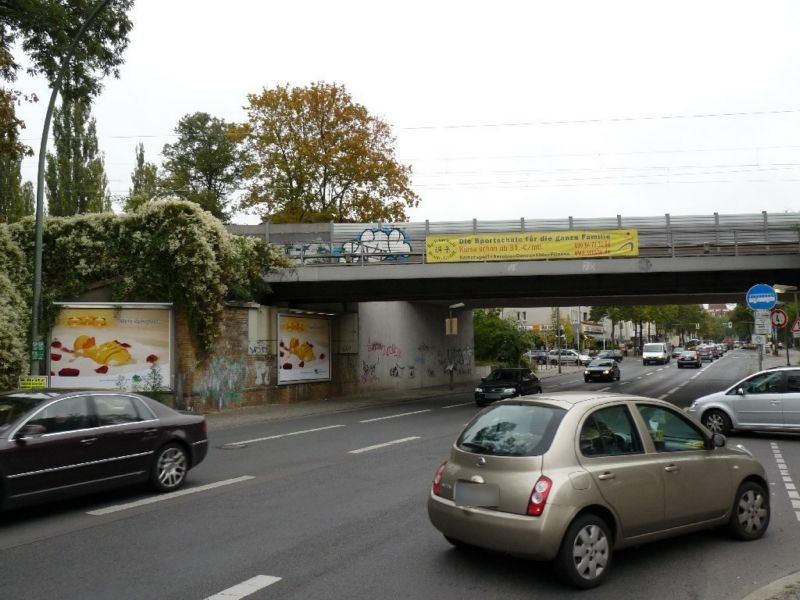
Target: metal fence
{"points": [[347, 244]]}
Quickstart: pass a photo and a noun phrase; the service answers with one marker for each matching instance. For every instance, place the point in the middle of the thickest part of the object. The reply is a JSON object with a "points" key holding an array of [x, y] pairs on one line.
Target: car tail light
{"points": [[437, 479], [539, 496]]}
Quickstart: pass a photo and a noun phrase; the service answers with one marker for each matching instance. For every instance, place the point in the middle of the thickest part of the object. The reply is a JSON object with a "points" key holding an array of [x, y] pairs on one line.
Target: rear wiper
{"points": [[478, 447]]}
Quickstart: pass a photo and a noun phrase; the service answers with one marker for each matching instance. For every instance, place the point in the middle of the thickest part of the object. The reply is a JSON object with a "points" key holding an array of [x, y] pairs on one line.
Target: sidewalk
{"points": [[279, 412]]}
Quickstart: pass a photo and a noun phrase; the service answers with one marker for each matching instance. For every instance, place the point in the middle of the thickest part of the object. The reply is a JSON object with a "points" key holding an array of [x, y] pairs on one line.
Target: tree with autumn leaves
{"points": [[313, 154]]}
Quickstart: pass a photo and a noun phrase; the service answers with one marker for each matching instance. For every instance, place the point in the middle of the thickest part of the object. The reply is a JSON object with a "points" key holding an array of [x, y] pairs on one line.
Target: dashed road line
{"points": [[246, 588], [416, 412], [281, 435], [461, 404], [169, 496], [791, 488], [376, 446]]}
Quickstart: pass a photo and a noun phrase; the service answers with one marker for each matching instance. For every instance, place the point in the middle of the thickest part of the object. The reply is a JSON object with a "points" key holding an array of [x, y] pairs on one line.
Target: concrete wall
{"points": [[404, 346], [384, 345]]}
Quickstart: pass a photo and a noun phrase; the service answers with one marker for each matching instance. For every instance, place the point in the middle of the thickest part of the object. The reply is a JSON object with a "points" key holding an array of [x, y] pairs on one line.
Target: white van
{"points": [[655, 353]]}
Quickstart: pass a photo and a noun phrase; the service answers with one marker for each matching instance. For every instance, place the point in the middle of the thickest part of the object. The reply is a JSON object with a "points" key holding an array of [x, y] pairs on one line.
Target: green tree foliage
{"points": [[75, 175], [145, 182], [14, 311], [41, 31], [315, 155], [16, 198], [499, 341], [204, 165]]}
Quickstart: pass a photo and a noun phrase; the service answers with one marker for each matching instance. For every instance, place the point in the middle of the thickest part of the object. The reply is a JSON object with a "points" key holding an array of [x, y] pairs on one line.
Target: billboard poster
{"points": [[303, 348], [108, 346], [545, 245]]}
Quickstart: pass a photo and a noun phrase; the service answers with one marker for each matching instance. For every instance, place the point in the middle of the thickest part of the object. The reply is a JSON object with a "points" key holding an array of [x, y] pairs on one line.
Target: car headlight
{"points": [[587, 372], [509, 391], [605, 372], [479, 390]]}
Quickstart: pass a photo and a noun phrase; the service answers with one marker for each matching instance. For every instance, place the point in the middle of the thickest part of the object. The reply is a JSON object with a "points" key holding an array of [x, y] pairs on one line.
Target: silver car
{"points": [[768, 400], [571, 477]]}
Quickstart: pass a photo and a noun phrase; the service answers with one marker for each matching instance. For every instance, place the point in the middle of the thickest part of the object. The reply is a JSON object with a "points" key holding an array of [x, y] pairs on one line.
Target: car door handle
{"points": [[88, 441], [775, 402], [672, 468], [151, 431], [606, 476]]}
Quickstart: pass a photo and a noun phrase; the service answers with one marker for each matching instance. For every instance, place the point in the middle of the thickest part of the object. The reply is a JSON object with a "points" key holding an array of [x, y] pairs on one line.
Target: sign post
{"points": [[761, 297]]}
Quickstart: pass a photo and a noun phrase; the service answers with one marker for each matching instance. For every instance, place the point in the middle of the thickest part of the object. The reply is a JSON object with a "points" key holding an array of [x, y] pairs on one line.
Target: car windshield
{"points": [[688, 354], [653, 347], [512, 430], [601, 362], [504, 375]]}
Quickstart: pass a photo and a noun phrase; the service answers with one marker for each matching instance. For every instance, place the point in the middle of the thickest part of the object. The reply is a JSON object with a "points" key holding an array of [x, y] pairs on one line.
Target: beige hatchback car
{"points": [[571, 477]]}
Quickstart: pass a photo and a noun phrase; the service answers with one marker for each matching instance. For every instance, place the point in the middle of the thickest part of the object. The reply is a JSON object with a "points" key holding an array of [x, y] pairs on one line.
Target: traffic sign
{"points": [[779, 318], [762, 322], [796, 325], [761, 296]]}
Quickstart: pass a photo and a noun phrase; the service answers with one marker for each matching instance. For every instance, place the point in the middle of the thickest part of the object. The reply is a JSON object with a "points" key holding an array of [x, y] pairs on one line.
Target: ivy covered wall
{"points": [[167, 251]]}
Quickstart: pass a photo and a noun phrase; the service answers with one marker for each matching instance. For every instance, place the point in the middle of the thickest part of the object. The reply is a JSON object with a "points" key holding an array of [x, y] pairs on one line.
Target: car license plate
{"points": [[476, 494], [493, 396]]}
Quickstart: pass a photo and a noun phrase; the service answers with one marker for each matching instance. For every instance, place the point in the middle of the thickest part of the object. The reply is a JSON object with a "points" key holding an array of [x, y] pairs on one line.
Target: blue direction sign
{"points": [[761, 296]]}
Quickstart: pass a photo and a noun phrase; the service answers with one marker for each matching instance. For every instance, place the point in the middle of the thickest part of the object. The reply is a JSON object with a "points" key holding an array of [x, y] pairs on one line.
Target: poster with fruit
{"points": [[303, 348], [124, 347]]}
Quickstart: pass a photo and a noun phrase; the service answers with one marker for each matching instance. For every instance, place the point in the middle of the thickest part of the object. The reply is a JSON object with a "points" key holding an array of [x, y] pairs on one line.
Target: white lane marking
{"points": [[282, 435], [251, 586], [625, 383], [791, 488], [605, 389], [416, 412], [376, 446], [200, 488], [650, 373], [454, 405]]}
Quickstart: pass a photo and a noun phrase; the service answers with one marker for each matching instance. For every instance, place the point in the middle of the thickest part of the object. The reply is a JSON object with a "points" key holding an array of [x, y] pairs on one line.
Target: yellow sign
{"points": [[541, 245], [29, 382]]}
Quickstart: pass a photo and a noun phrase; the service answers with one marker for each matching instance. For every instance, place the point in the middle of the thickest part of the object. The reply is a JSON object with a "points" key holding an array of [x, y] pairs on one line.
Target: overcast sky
{"points": [[503, 109]]}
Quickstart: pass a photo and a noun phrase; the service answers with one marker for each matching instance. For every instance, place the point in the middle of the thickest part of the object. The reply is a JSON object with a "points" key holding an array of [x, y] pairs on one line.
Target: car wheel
{"points": [[586, 380], [169, 469], [619, 375], [717, 421], [585, 554], [458, 543], [750, 514], [479, 404], [680, 366]]}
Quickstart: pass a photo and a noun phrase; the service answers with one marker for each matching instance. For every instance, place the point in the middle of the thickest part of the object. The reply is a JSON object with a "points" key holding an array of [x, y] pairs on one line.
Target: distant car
{"points": [[605, 369], [714, 351], [705, 353], [566, 356], [768, 400], [617, 355], [506, 383], [573, 477], [677, 351], [656, 352], [537, 356], [689, 358], [56, 443]]}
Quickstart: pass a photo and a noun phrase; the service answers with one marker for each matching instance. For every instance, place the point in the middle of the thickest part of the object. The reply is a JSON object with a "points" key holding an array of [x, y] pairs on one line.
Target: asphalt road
{"points": [[333, 506]]}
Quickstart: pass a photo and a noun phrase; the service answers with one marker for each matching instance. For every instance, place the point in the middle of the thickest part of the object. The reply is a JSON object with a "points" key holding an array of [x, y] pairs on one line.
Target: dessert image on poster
{"points": [[303, 348], [111, 348]]}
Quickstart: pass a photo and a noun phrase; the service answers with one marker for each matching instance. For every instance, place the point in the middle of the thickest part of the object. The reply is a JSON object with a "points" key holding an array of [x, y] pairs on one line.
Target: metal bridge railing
{"points": [[362, 244]]}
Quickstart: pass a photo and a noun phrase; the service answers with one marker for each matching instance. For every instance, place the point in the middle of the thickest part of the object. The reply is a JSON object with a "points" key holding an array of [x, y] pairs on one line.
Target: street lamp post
{"points": [[781, 289], [37, 252]]}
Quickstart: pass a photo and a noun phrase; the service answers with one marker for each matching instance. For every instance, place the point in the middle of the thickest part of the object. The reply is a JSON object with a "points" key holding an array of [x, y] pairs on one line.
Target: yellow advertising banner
{"points": [[531, 245]]}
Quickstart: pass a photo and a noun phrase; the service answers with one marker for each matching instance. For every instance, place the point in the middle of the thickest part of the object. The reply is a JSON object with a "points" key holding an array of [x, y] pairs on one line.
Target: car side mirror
{"points": [[718, 440], [740, 391], [483, 379], [29, 431]]}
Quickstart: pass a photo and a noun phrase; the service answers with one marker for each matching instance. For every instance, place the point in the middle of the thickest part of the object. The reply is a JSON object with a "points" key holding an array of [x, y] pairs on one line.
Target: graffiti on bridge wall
{"points": [[377, 244], [222, 382], [383, 358]]}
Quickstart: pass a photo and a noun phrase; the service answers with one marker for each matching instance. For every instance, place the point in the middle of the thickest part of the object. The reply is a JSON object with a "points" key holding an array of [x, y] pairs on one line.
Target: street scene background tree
{"points": [[314, 155]]}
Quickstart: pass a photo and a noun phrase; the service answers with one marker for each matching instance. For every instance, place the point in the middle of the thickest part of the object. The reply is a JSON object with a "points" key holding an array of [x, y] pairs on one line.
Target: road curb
{"points": [[785, 588]]}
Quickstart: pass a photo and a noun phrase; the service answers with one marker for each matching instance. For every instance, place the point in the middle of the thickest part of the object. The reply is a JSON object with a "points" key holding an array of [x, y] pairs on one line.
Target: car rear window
{"points": [[512, 430], [653, 348]]}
